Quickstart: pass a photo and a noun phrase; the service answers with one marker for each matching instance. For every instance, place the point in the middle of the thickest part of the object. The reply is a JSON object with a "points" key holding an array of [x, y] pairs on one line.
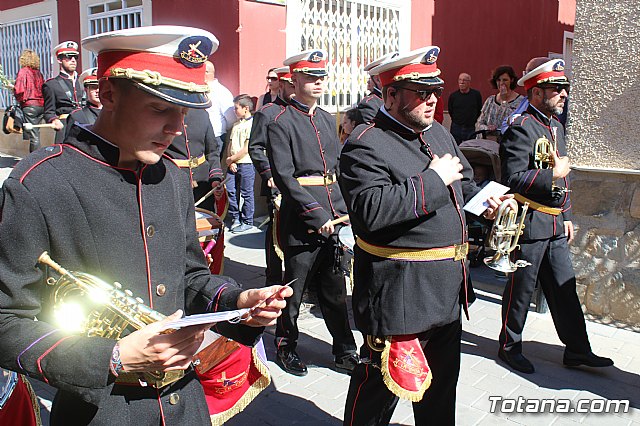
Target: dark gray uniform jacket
{"points": [[61, 96], [134, 227], [370, 105], [395, 200], [259, 138], [198, 139], [521, 175], [303, 144]]}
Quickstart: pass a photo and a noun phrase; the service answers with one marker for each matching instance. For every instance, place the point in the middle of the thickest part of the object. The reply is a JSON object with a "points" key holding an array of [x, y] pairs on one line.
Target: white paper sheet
{"points": [[479, 203], [210, 318]]}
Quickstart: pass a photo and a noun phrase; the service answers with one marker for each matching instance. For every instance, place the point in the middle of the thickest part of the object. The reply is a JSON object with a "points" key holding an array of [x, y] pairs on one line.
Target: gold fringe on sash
{"points": [[258, 386], [391, 384]]}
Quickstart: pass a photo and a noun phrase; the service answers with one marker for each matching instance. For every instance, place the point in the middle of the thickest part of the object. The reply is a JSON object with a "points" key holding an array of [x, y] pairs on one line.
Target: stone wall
{"points": [[604, 145]]}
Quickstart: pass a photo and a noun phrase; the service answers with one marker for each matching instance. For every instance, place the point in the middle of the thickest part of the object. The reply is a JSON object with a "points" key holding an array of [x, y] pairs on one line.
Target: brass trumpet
{"points": [[542, 154], [505, 232], [85, 304]]}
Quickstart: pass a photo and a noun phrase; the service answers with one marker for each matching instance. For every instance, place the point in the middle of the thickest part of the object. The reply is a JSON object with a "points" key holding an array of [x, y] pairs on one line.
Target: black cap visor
{"points": [[185, 98]]}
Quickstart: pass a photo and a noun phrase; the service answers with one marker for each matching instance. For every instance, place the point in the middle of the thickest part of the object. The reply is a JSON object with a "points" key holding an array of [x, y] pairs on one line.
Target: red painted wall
{"points": [[262, 44], [221, 18], [69, 21], [477, 36], [10, 4]]}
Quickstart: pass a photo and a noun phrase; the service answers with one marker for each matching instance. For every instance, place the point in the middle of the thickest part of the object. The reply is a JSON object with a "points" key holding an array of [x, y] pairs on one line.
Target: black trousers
{"points": [[551, 267], [315, 263], [369, 402], [32, 115], [274, 263]]}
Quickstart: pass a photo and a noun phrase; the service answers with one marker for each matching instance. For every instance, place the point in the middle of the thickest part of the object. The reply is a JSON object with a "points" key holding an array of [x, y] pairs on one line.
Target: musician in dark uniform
{"points": [[88, 113], [544, 184], [109, 203], [303, 150], [405, 182], [258, 153], [63, 93], [196, 152], [370, 104]]}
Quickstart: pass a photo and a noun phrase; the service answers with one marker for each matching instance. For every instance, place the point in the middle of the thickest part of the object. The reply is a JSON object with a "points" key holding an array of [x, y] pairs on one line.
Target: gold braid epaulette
{"points": [[156, 79]]}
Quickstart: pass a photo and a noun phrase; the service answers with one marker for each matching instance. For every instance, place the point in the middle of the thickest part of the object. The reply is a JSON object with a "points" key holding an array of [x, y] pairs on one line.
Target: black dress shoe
{"points": [[517, 361], [346, 363], [572, 359], [291, 362]]}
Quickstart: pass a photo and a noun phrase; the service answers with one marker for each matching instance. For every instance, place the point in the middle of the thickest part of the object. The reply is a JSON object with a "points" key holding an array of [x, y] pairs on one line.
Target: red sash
{"points": [[404, 367], [231, 385]]}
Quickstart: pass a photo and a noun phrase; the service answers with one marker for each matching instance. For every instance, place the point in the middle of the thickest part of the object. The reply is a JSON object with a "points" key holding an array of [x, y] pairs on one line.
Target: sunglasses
{"points": [[68, 56], [555, 87], [270, 79], [426, 94]]}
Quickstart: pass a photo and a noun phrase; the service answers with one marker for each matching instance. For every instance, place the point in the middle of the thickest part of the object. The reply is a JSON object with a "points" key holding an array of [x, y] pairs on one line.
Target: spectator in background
{"points": [[28, 92], [240, 166], [501, 105], [273, 84], [221, 110], [350, 119], [63, 93], [464, 108]]}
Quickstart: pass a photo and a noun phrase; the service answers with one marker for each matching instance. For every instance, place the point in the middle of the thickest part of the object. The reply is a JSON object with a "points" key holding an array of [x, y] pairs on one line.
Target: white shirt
{"points": [[221, 111]]}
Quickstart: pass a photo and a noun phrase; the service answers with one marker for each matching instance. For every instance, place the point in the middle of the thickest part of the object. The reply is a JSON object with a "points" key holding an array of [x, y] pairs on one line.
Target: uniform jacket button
{"points": [[161, 289], [174, 398], [151, 231]]}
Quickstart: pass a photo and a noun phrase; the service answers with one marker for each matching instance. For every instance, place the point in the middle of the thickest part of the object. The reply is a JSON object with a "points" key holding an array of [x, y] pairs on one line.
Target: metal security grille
{"points": [[32, 33], [112, 16], [354, 33]]}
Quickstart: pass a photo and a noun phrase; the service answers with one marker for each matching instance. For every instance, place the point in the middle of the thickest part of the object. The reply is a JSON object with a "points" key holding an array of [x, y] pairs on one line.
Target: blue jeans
{"points": [[243, 178]]}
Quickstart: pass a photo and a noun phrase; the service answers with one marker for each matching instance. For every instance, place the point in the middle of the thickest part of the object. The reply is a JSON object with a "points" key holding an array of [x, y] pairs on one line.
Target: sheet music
{"points": [[479, 203]]}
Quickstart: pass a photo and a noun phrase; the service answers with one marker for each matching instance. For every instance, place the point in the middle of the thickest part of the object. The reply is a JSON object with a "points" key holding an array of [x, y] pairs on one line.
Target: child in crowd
{"points": [[240, 167]]}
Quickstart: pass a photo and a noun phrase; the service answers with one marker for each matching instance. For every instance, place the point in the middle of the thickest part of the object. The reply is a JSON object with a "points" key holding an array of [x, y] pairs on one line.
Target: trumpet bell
{"points": [[500, 262]]}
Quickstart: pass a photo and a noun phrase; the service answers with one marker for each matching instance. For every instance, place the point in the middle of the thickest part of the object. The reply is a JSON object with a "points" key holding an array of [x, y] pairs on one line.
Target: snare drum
{"points": [[211, 237], [346, 239]]}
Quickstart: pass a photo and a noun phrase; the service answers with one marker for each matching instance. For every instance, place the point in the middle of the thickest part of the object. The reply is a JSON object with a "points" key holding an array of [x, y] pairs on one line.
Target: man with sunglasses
{"points": [[544, 184], [405, 182], [64, 92]]}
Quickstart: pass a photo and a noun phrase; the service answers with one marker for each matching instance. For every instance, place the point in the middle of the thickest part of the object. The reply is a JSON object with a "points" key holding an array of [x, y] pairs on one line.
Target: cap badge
{"points": [[70, 44], [315, 57], [558, 66], [431, 56], [194, 51]]}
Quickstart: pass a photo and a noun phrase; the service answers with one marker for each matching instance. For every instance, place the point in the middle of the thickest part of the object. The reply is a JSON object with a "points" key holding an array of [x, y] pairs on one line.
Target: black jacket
{"points": [[370, 105], [198, 139], [86, 115], [395, 200], [303, 144], [522, 176], [134, 227], [61, 96], [259, 139]]}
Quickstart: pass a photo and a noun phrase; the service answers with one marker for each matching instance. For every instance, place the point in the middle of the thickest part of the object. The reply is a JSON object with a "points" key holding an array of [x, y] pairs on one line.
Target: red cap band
{"points": [[534, 81], [284, 75], [307, 64], [167, 66], [420, 70], [66, 50]]}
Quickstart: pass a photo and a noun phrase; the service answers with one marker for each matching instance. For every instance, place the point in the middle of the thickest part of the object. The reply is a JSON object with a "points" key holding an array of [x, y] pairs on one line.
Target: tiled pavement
{"points": [[318, 398]]}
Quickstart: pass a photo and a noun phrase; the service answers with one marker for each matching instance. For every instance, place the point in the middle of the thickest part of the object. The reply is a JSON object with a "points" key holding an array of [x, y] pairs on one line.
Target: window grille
{"points": [[112, 16], [32, 33], [354, 33]]}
